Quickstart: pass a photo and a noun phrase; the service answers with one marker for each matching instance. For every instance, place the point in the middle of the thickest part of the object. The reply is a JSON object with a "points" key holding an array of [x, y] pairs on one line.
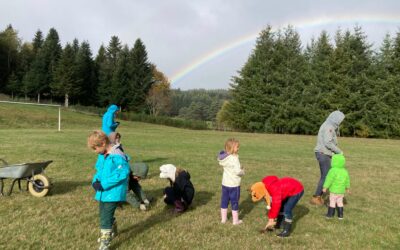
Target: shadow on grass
{"points": [[66, 186], [201, 198], [158, 159], [246, 206], [299, 212]]}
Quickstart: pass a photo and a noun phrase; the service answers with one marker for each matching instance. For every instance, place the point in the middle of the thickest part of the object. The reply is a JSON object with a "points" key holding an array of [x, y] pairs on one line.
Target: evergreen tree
{"points": [[141, 78], [65, 76], [9, 47], [107, 69], [86, 75], [121, 79]]}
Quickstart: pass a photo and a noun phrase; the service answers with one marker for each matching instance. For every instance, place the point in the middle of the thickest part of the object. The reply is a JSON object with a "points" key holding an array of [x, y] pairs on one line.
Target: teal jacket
{"points": [[112, 172], [338, 179]]}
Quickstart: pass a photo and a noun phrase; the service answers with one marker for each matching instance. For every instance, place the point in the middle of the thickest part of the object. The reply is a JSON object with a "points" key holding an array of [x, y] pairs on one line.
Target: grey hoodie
{"points": [[327, 141]]}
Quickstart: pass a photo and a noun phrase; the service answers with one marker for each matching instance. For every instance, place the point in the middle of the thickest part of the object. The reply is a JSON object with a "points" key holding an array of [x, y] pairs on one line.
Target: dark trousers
{"points": [[324, 166], [289, 203], [107, 210], [230, 194]]}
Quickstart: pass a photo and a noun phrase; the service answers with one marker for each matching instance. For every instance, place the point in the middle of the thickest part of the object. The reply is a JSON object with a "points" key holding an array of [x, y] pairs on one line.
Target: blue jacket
{"points": [[109, 125], [112, 172]]}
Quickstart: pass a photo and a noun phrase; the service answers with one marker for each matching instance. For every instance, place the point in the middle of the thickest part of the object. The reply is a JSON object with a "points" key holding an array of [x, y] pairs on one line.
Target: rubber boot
{"points": [[279, 221], [179, 207], [331, 212], [235, 218], [317, 200], [340, 213], [224, 215], [105, 239], [286, 229]]}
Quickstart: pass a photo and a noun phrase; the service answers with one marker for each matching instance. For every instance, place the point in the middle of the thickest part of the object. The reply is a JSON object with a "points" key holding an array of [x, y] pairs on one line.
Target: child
{"points": [[180, 193], [110, 183], [337, 181], [108, 122], [231, 178], [138, 171], [285, 193], [138, 199]]}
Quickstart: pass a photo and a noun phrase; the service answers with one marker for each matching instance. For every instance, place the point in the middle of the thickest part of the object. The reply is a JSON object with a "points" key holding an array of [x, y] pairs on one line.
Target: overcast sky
{"points": [[196, 43]]}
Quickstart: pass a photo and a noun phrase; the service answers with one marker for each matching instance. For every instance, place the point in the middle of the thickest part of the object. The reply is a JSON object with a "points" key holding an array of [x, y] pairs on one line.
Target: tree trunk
{"points": [[38, 98], [66, 100]]}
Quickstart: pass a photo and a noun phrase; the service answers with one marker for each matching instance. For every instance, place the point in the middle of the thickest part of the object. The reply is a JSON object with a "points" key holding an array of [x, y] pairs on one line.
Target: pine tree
{"points": [[141, 78], [65, 76], [9, 47], [86, 75]]}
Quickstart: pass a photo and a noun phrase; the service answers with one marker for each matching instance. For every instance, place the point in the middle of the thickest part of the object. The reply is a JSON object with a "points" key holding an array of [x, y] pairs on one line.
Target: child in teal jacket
{"points": [[110, 183], [338, 182]]}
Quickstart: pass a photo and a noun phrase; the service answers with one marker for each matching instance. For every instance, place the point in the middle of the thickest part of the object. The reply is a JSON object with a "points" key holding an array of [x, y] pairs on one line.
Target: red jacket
{"points": [[280, 189]]}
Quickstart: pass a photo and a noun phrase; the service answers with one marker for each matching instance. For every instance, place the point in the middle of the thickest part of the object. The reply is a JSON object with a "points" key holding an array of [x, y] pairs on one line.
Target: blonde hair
{"points": [[97, 139], [230, 145]]}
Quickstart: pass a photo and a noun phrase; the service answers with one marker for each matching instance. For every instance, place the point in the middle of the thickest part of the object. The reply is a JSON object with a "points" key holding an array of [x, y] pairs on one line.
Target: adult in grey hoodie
{"points": [[326, 146]]}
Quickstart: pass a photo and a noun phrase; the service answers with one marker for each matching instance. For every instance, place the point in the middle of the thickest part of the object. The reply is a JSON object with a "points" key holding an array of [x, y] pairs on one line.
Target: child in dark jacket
{"points": [[180, 193], [285, 193]]}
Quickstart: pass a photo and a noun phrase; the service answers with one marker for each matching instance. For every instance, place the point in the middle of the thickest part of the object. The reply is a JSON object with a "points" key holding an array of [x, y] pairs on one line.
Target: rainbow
{"points": [[297, 24]]}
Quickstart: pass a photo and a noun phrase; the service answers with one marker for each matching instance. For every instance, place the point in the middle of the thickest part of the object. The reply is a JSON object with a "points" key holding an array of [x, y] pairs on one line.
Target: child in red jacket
{"points": [[285, 193]]}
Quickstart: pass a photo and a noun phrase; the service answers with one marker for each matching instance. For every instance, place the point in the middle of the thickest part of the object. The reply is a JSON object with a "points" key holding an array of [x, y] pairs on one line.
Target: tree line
{"points": [[284, 88]]}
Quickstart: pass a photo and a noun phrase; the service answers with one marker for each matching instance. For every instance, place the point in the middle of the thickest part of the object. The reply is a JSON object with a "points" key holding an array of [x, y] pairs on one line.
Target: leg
{"points": [[287, 209], [234, 196], [340, 206], [324, 166], [332, 205], [224, 204], [107, 210], [169, 196], [281, 216]]}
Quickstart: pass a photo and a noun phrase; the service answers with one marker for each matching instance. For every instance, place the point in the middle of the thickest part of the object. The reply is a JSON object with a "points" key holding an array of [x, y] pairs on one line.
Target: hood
{"points": [[140, 169], [222, 155], [258, 191], [167, 171], [338, 161], [112, 109], [269, 180], [335, 118], [184, 174]]}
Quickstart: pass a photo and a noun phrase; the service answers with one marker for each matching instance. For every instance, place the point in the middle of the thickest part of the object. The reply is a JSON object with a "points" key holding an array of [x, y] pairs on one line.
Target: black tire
{"points": [[42, 181]]}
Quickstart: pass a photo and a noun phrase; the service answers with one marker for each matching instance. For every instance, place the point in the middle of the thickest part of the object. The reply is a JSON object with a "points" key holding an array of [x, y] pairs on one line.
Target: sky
{"points": [[197, 43]]}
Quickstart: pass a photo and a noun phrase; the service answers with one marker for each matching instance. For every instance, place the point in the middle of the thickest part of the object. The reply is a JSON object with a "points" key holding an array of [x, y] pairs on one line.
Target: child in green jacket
{"points": [[338, 182]]}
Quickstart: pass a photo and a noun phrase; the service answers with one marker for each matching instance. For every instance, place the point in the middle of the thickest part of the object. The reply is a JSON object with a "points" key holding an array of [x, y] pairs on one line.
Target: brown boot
{"points": [[317, 200]]}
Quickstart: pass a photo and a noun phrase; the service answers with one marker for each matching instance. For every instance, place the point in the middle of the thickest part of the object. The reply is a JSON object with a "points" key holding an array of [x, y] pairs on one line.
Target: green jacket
{"points": [[338, 179]]}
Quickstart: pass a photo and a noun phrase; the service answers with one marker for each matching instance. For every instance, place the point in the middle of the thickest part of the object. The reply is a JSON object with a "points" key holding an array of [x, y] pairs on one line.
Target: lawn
{"points": [[68, 217]]}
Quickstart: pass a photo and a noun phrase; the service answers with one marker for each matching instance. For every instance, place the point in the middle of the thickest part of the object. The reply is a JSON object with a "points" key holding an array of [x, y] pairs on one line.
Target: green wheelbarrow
{"points": [[38, 184]]}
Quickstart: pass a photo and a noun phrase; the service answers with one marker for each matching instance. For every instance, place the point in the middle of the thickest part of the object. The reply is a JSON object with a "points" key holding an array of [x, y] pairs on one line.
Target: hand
{"points": [[97, 186], [324, 190], [271, 223], [348, 191]]}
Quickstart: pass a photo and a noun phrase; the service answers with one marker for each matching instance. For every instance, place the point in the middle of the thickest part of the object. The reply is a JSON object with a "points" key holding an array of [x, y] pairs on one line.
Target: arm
{"points": [[329, 142], [276, 204], [237, 167], [347, 182], [329, 179]]}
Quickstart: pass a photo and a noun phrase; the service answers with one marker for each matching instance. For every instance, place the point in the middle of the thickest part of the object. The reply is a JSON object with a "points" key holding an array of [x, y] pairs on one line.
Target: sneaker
{"points": [[146, 201], [143, 207]]}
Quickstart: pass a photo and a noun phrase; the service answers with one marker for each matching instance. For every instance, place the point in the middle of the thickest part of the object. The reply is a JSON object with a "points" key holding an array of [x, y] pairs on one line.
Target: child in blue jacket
{"points": [[110, 183]]}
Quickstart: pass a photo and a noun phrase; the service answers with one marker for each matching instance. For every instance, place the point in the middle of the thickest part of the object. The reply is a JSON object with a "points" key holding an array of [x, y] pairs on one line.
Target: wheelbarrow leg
{"points": [[19, 185], [12, 186], [1, 186]]}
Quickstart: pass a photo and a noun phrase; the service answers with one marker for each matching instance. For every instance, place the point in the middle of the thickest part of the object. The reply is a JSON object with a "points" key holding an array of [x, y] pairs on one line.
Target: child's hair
{"points": [[114, 137], [97, 138], [230, 145]]}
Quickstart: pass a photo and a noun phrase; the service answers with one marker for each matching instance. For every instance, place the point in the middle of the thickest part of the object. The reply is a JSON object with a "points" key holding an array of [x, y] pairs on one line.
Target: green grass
{"points": [[68, 218]]}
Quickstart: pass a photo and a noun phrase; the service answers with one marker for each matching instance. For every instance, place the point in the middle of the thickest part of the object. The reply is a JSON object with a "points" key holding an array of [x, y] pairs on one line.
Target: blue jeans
{"points": [[289, 203], [324, 166], [231, 194]]}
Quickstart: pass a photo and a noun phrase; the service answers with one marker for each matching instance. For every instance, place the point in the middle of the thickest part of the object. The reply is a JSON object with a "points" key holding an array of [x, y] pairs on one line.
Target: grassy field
{"points": [[68, 218]]}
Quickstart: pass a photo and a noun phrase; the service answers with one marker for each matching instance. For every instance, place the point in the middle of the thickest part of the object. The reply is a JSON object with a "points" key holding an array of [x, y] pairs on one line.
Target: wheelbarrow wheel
{"points": [[42, 185]]}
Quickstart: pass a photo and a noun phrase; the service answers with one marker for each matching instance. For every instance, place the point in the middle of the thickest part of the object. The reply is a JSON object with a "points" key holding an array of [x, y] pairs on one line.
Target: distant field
{"points": [[68, 218]]}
